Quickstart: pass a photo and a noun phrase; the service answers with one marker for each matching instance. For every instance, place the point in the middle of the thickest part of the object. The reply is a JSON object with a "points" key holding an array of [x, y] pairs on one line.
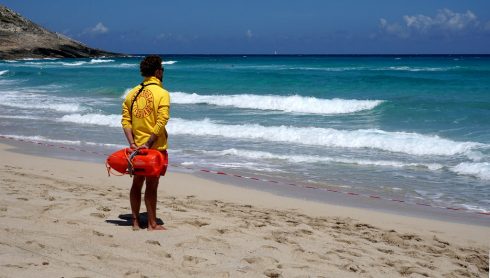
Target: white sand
{"points": [[59, 218]]}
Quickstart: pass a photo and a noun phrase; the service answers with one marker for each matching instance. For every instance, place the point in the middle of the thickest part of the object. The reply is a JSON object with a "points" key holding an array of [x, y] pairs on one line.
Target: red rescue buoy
{"points": [[143, 162]]}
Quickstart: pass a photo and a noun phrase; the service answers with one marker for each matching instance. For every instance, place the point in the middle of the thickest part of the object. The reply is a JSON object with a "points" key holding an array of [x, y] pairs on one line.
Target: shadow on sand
{"points": [[125, 220]]}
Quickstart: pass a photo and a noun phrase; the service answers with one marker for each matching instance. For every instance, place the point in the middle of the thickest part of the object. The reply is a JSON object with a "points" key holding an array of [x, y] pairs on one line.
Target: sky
{"points": [[268, 26]]}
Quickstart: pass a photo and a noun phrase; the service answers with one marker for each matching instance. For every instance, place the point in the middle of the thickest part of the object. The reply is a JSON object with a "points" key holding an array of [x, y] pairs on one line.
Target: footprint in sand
{"points": [[97, 214], [153, 242], [353, 268], [101, 234], [196, 223], [103, 208], [192, 260], [261, 261], [13, 266], [205, 242], [269, 247], [273, 273], [164, 254], [222, 231], [35, 243]]}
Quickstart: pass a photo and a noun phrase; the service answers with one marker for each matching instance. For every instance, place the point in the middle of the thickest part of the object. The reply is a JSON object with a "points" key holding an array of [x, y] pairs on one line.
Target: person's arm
{"points": [[149, 143], [163, 114], [128, 132], [127, 126]]}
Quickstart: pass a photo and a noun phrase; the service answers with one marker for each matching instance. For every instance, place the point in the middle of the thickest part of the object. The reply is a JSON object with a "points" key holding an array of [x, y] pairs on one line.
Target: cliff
{"points": [[21, 38]]}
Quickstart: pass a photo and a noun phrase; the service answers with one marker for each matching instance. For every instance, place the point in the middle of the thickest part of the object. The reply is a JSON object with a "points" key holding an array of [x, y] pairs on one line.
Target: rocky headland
{"points": [[21, 38]]}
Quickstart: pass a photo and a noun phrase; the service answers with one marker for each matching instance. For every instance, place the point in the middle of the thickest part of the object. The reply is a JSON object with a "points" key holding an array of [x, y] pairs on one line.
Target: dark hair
{"points": [[150, 64]]}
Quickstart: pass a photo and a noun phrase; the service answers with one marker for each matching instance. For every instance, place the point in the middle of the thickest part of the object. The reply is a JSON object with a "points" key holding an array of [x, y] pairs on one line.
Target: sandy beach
{"points": [[64, 218]]}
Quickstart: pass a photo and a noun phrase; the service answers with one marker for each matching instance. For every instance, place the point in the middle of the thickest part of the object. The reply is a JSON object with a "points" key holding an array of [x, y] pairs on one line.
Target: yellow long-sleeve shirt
{"points": [[151, 112]]}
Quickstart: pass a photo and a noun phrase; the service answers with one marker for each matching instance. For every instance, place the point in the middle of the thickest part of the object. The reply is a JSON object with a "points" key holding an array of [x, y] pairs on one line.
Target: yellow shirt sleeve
{"points": [[163, 113], [126, 115]]}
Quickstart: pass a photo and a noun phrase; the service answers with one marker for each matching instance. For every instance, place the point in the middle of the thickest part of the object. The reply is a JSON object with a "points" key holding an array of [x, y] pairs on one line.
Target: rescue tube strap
{"points": [[130, 162]]}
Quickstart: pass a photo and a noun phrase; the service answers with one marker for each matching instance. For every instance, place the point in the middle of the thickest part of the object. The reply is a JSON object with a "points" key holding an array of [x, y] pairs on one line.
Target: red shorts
{"points": [[165, 162]]}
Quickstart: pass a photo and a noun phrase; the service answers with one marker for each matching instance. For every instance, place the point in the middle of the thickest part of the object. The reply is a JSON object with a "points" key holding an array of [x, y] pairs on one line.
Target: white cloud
{"points": [[445, 21], [249, 34], [100, 28], [393, 28]]}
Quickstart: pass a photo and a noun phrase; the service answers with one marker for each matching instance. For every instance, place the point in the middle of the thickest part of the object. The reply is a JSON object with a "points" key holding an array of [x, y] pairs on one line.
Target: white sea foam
{"points": [[98, 61], [69, 64], [43, 139], [480, 170], [333, 69], [115, 146], [93, 119], [74, 64], [402, 142], [319, 159], [295, 104], [60, 107], [415, 69], [125, 65], [20, 117], [30, 100], [351, 68], [2, 72], [475, 208], [25, 100], [38, 138], [168, 62]]}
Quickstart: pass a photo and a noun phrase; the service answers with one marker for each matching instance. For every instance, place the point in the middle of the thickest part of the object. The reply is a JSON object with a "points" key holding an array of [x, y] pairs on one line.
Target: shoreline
{"points": [[71, 220], [278, 187]]}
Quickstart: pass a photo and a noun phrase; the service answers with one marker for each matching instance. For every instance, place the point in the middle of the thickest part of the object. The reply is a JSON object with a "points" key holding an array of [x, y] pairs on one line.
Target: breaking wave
{"points": [[294, 104]]}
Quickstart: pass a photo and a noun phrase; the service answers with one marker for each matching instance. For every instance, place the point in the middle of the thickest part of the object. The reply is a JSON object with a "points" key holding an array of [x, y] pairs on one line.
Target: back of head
{"points": [[150, 64]]}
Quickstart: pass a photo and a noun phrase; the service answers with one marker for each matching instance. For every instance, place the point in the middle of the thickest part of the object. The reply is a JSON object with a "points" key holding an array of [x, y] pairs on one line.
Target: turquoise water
{"points": [[412, 127]]}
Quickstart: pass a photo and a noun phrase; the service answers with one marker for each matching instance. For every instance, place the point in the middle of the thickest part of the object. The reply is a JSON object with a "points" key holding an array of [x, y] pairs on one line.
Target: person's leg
{"points": [[135, 200], [151, 202]]}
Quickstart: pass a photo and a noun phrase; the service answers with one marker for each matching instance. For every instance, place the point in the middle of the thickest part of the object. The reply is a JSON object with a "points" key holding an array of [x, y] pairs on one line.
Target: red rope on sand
{"points": [[347, 193]]}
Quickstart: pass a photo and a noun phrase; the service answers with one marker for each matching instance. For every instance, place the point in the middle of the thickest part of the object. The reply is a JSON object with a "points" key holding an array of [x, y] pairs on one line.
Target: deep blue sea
{"points": [[414, 127]]}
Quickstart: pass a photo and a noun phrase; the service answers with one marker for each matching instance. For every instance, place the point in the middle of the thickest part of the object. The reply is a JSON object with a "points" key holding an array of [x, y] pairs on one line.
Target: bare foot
{"points": [[156, 228], [136, 224]]}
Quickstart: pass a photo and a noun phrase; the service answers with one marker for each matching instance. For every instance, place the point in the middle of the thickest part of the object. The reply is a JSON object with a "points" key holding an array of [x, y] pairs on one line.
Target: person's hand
{"points": [[133, 146], [144, 146]]}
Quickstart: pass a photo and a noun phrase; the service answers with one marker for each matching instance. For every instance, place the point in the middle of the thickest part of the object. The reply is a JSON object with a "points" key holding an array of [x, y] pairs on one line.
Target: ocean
{"points": [[412, 127]]}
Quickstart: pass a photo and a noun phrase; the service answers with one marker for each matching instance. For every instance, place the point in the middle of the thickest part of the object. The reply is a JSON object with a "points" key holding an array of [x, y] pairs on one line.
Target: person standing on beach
{"points": [[145, 112]]}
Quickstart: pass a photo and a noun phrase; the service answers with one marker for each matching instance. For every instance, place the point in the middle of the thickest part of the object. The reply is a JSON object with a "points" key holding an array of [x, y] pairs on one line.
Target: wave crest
{"points": [[293, 104], [93, 119], [400, 142], [24, 100], [480, 170], [317, 159]]}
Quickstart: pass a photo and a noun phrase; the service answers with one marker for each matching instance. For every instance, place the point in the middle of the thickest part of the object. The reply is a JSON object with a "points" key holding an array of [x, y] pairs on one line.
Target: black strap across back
{"points": [[137, 94]]}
